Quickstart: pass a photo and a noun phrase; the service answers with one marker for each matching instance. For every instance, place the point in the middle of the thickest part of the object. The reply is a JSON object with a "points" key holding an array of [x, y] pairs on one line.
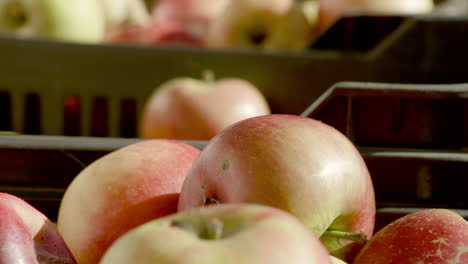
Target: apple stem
{"points": [[356, 237], [208, 76]]}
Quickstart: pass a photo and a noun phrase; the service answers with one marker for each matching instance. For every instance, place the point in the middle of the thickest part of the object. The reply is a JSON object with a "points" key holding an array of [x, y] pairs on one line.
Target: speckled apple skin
{"points": [[431, 236], [294, 163], [121, 190]]}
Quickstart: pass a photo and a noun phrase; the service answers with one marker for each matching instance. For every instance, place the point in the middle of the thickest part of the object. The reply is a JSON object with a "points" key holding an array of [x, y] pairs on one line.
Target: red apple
{"points": [[121, 190], [195, 16], [152, 34], [191, 109], [294, 163], [28, 236], [230, 234], [435, 236], [269, 25]]}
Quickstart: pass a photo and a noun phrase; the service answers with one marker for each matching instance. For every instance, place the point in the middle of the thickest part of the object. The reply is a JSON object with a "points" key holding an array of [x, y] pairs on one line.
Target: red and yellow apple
{"points": [[194, 16], [268, 25], [435, 236], [121, 190], [152, 34], [28, 236], [230, 234], [190, 109], [296, 164]]}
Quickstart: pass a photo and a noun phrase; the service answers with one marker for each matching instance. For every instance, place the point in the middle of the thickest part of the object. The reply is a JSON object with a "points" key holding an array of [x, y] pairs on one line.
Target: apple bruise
{"points": [[14, 15], [213, 199]]}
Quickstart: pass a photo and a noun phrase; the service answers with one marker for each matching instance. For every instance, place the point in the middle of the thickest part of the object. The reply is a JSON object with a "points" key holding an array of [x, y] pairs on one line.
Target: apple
{"points": [[152, 34], [436, 236], [121, 190], [293, 163], [117, 12], [194, 16], [28, 236], [267, 25], [235, 233], [192, 109], [73, 20]]}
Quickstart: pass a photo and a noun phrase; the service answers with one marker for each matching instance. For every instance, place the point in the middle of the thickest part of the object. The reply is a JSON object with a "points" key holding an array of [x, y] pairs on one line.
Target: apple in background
{"points": [[268, 25], [194, 16], [191, 109], [332, 10], [73, 20], [118, 12], [152, 34], [28, 236], [121, 190], [235, 233], [296, 164], [436, 236]]}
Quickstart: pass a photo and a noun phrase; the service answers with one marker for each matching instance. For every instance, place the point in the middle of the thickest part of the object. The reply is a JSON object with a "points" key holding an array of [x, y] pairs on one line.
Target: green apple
{"points": [[270, 25], [71, 20], [229, 234]]}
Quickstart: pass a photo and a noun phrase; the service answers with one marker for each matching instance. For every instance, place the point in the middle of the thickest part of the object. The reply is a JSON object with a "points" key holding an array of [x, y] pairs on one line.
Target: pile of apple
{"points": [[210, 23], [267, 189], [271, 25]]}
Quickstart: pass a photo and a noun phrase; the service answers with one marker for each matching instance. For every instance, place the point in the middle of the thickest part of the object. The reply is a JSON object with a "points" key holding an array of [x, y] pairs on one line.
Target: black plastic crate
{"points": [[39, 168], [414, 138], [397, 115], [52, 88]]}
